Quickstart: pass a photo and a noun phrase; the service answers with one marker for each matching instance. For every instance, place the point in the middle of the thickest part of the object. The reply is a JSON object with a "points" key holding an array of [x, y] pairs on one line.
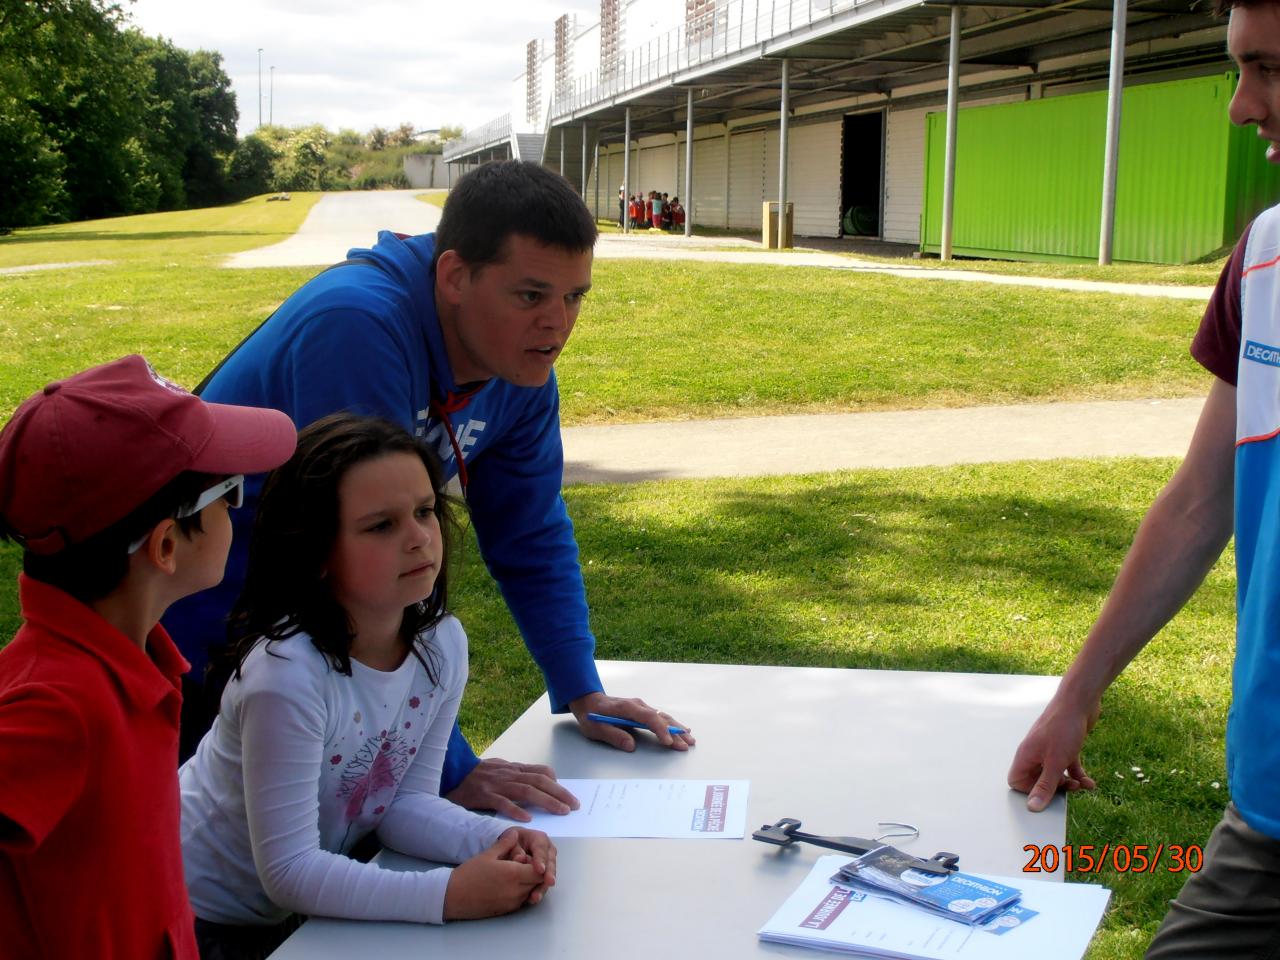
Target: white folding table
{"points": [[839, 750]]}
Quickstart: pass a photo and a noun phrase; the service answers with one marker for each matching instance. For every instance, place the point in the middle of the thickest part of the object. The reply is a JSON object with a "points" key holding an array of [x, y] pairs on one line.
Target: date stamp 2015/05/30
{"points": [[1120, 857]]}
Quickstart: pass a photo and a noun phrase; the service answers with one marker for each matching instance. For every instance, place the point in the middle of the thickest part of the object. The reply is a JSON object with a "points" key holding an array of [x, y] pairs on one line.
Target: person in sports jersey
{"points": [[454, 335], [1229, 481]]}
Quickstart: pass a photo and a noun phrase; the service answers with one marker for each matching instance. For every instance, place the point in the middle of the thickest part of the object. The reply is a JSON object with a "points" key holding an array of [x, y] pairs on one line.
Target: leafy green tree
{"points": [[170, 119], [93, 92], [31, 189], [301, 164], [190, 122], [67, 64], [216, 117], [97, 119], [402, 136], [250, 169]]}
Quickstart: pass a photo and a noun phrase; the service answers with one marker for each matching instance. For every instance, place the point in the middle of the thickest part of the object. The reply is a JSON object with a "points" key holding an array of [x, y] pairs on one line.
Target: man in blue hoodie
{"points": [[454, 335]]}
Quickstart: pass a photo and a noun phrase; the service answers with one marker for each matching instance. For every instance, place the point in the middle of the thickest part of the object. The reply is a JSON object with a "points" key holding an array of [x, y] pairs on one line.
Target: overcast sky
{"points": [[357, 63]]}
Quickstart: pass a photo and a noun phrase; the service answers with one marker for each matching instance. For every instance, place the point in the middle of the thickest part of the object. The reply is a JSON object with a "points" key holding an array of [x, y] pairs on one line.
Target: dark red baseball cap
{"points": [[85, 452]]}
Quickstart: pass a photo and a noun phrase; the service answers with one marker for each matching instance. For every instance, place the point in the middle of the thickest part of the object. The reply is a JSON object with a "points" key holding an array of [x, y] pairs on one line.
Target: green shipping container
{"points": [[1029, 175]]}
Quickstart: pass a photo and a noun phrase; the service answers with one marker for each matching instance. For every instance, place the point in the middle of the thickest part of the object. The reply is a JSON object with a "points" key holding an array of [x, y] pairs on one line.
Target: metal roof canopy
{"points": [[881, 47]]}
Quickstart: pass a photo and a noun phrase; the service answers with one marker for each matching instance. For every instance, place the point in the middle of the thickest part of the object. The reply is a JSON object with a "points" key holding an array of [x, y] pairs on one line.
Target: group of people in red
{"points": [[654, 210]]}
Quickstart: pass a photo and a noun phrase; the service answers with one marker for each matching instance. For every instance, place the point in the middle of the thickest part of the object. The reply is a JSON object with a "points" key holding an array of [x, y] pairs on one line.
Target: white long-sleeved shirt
{"points": [[301, 763]]}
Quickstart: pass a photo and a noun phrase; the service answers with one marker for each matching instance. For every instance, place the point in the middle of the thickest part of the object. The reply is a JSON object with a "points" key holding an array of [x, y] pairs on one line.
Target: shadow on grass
{"points": [[947, 570], [67, 236], [876, 559]]}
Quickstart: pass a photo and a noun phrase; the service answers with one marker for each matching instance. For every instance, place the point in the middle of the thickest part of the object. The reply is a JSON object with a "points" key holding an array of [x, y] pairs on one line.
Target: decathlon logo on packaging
{"points": [[1262, 353]]}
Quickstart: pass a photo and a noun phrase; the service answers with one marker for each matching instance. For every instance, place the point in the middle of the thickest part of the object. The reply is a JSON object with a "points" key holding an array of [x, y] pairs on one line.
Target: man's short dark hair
{"points": [[497, 200], [91, 569]]}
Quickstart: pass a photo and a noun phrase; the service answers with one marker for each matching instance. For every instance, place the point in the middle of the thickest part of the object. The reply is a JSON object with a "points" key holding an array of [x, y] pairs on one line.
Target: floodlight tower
{"points": [[259, 86]]}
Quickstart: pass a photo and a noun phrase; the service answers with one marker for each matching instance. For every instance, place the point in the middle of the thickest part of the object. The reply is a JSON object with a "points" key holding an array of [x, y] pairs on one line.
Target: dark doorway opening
{"points": [[861, 174]]}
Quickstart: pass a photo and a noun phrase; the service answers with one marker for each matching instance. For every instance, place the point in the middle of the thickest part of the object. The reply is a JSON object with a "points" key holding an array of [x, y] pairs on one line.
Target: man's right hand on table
{"points": [[1049, 756], [504, 787]]}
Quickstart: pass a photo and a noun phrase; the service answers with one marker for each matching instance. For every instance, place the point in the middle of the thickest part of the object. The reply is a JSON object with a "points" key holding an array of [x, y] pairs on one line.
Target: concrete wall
{"points": [[903, 198], [426, 171]]}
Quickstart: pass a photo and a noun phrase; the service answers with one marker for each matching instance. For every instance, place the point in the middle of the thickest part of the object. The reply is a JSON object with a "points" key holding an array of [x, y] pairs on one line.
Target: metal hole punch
{"points": [[787, 831]]}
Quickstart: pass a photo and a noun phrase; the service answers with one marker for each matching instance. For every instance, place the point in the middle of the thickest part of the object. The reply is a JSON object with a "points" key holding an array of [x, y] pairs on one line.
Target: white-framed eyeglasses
{"points": [[231, 488]]}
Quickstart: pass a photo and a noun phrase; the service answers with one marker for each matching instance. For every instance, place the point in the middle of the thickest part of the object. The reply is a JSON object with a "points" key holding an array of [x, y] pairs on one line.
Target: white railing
{"points": [[495, 131], [728, 29]]}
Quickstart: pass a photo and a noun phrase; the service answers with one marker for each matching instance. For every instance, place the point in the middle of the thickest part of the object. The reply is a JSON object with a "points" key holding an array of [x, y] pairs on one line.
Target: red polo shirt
{"points": [[90, 856]]}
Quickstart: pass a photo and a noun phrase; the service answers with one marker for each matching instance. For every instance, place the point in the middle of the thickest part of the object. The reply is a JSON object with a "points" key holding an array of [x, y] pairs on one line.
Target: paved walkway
{"points": [[810, 443], [736, 250], [340, 221]]}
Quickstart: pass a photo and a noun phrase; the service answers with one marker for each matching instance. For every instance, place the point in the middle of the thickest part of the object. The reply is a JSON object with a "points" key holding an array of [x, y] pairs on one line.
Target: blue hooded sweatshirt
{"points": [[364, 338]]}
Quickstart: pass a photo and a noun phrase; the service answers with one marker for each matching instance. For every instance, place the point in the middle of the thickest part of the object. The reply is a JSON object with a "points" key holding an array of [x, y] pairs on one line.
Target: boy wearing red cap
{"points": [[117, 484]]}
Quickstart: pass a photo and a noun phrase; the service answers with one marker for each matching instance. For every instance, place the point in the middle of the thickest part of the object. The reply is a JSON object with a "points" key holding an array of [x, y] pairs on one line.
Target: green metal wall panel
{"points": [[1029, 175], [1171, 182], [1253, 184]]}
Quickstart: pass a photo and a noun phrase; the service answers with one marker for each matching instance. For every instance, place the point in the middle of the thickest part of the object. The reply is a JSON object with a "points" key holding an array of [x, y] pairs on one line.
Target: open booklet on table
{"points": [[1052, 921]]}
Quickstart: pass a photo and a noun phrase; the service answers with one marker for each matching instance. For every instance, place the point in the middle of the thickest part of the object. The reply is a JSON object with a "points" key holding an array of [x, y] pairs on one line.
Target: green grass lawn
{"points": [[711, 340], [681, 340], [656, 340], [434, 197], [184, 238]]}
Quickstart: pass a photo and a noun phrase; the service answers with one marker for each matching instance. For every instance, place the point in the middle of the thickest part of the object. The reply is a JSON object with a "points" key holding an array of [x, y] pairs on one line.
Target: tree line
{"points": [[98, 119], [275, 158]]}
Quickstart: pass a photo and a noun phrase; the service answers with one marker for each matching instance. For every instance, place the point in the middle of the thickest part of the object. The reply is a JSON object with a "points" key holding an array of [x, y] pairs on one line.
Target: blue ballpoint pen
{"points": [[624, 722]]}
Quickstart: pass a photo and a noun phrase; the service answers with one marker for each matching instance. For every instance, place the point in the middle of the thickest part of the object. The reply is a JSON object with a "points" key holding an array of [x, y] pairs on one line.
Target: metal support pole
{"points": [[675, 166], [584, 160], [782, 154], [562, 151], [953, 109], [1115, 90], [596, 159], [688, 165], [728, 171], [626, 174]]}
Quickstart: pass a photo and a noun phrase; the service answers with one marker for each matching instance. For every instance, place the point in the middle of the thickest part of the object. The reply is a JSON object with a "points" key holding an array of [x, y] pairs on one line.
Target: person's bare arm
{"points": [[1177, 543]]}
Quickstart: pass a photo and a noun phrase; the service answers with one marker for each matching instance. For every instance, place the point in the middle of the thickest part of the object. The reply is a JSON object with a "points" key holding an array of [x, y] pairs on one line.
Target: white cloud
{"points": [[380, 62]]}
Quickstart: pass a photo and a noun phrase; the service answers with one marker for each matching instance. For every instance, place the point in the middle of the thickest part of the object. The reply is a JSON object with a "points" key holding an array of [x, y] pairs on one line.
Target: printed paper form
{"points": [[678, 809]]}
